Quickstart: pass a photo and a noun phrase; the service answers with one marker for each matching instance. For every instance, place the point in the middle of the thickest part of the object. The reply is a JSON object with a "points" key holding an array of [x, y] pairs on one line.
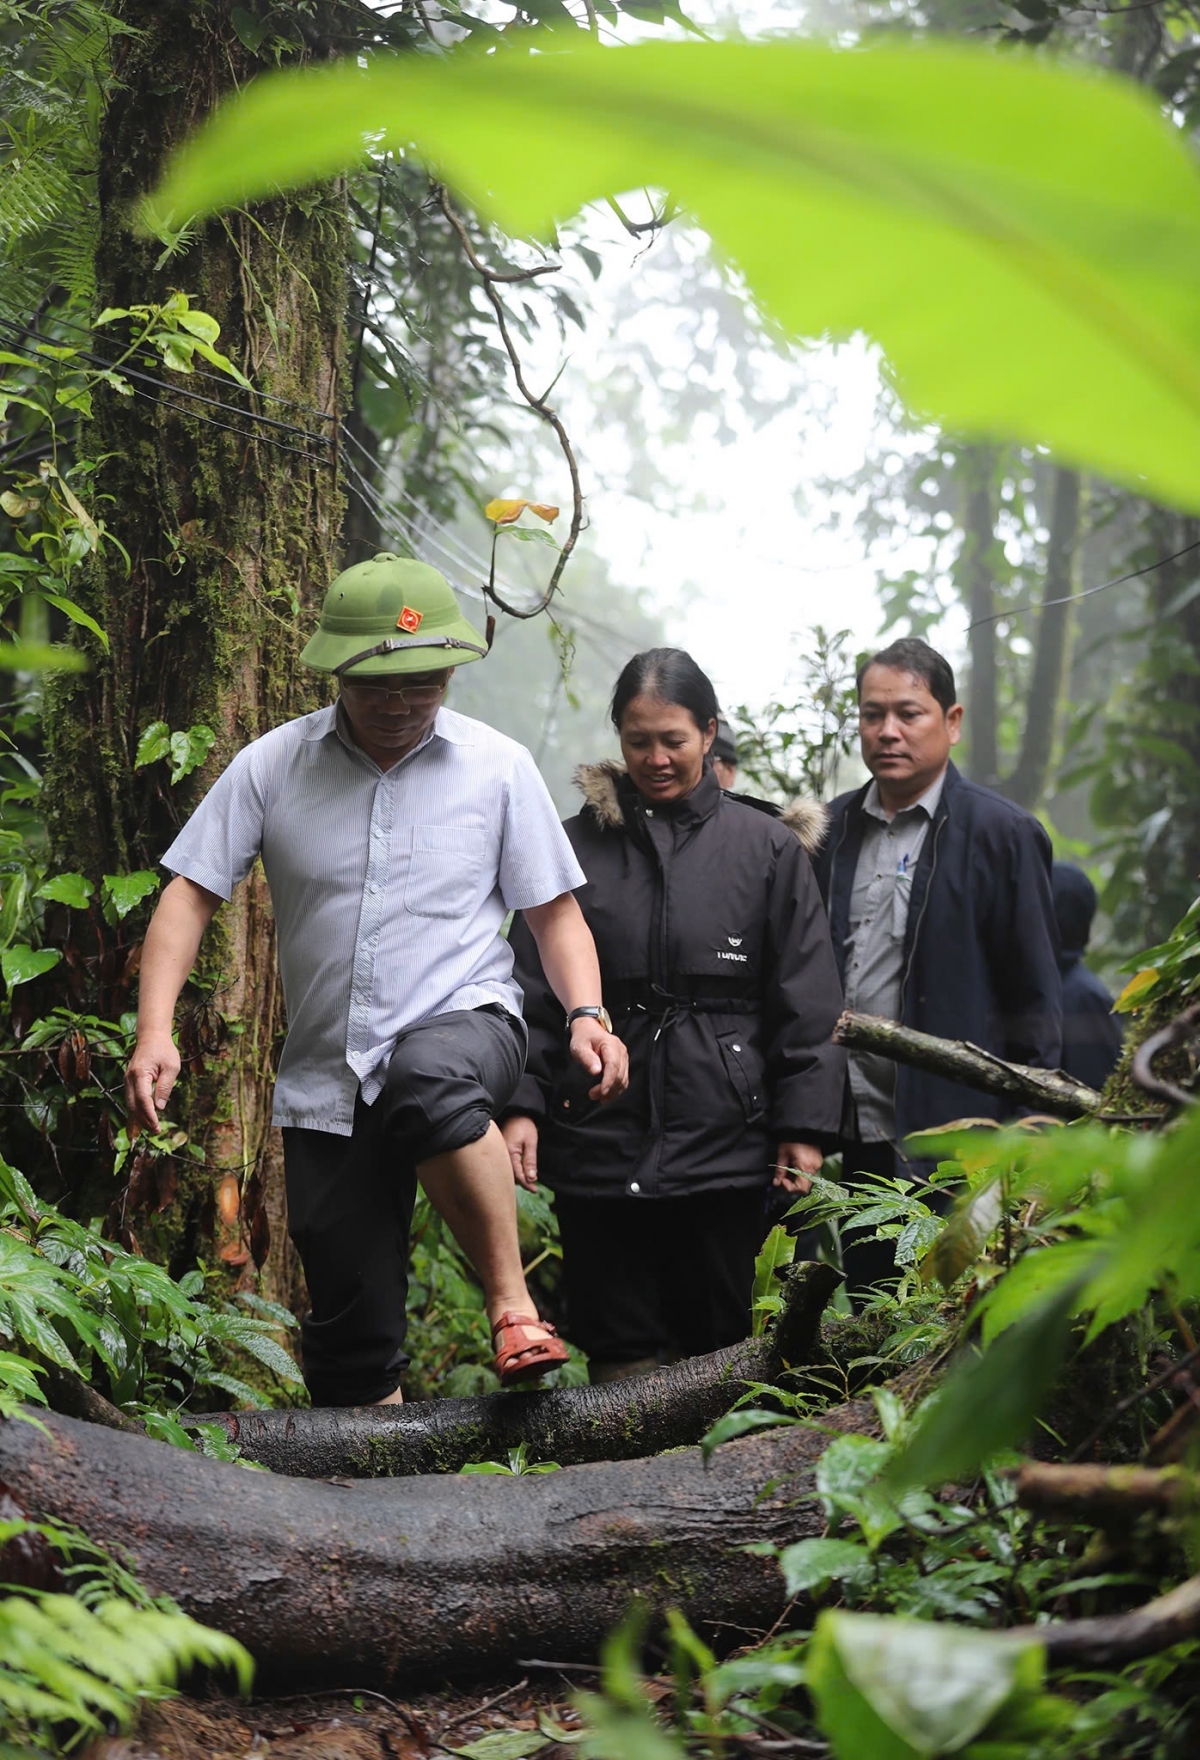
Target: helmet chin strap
{"points": [[400, 644]]}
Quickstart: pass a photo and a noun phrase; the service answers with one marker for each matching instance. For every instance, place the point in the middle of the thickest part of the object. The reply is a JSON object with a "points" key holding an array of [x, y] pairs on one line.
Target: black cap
{"points": [[1074, 905], [724, 746]]}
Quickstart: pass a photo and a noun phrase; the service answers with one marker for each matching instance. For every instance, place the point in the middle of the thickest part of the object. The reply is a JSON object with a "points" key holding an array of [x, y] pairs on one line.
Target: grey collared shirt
{"points": [[887, 860], [390, 887]]}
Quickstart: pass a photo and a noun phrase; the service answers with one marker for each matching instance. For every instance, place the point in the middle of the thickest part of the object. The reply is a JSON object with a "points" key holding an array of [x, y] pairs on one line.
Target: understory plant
{"points": [[76, 1303], [83, 1645]]}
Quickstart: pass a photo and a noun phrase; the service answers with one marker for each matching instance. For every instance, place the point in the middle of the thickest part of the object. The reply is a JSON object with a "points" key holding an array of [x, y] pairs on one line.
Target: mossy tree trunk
{"points": [[231, 531]]}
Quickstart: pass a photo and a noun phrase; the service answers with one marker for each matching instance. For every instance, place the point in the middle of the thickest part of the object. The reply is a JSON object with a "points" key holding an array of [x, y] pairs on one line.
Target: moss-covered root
{"points": [[621, 1420]]}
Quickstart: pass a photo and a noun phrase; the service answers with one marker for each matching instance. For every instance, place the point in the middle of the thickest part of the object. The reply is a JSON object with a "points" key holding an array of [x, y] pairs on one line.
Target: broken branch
{"points": [[1044, 1089]]}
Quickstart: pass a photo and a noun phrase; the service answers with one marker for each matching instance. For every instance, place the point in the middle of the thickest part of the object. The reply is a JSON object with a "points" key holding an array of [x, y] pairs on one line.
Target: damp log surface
{"points": [[621, 1420], [385, 1581]]}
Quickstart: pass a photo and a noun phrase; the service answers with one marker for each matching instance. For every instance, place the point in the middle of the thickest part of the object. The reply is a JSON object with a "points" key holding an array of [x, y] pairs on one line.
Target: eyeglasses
{"points": [[412, 695]]}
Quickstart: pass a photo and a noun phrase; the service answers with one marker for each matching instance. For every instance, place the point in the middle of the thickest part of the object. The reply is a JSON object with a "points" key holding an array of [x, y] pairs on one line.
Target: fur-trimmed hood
{"points": [[808, 820]]}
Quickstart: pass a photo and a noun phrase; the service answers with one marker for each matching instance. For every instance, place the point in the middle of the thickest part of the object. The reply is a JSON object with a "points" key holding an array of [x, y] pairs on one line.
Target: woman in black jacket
{"points": [[719, 975]]}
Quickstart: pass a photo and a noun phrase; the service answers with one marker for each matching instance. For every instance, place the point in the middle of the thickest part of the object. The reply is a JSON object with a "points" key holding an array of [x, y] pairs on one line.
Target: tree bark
{"points": [[229, 515], [977, 467], [1122, 1637], [1047, 1090], [1087, 1492], [382, 1582], [1027, 784], [619, 1421]]}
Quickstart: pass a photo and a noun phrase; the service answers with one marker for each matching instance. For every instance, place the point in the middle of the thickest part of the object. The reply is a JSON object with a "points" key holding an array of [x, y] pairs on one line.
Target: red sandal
{"points": [[526, 1348]]}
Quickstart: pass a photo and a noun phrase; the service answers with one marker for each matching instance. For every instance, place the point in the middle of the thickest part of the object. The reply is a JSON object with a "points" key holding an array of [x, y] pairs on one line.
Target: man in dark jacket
{"points": [[940, 908], [1091, 1031]]}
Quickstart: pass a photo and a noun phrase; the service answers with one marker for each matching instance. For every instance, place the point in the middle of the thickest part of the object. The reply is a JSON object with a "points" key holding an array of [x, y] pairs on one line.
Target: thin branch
{"points": [[1131, 1400], [1175, 1033], [1048, 1089], [538, 405], [1109, 1643], [1069, 599], [1092, 1492]]}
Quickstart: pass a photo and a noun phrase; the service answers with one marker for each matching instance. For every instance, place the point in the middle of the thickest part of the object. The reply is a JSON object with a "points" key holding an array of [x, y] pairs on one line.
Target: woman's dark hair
{"points": [[919, 660], [672, 676]]}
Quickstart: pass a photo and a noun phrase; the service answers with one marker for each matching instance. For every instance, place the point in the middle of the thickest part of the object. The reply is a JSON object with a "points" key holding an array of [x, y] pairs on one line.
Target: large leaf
{"points": [[902, 1687], [989, 1401], [774, 1256], [965, 1235], [1022, 237], [21, 962], [124, 891]]}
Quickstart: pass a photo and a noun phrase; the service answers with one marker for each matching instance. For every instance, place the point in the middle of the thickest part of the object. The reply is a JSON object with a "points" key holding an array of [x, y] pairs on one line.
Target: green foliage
{"points": [[774, 1256], [66, 1663], [969, 176], [73, 1300], [901, 1689], [72, 1666], [186, 751], [1170, 969], [793, 749], [516, 1464]]}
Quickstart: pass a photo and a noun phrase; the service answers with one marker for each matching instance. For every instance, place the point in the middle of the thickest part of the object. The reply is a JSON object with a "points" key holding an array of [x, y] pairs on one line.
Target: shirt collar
{"points": [[926, 803]]}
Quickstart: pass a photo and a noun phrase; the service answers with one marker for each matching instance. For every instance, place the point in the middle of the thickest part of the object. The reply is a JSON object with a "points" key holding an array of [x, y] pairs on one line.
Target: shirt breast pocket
{"points": [[445, 870]]}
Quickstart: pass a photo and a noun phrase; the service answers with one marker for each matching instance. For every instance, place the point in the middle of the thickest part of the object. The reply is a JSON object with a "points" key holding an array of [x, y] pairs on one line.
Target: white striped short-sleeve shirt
{"points": [[390, 887]]}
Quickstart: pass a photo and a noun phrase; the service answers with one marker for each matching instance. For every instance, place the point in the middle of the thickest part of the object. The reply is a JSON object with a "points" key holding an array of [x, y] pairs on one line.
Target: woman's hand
{"points": [[602, 1055], [794, 1162], [521, 1140]]}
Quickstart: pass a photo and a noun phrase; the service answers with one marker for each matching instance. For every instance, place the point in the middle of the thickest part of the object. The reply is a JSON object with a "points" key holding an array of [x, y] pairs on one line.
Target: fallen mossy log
{"points": [[1046, 1090], [621, 1420], [382, 1581]]}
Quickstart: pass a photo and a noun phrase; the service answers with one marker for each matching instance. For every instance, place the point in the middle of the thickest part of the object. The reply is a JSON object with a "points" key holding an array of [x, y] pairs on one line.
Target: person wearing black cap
{"points": [[723, 754], [1091, 1032]]}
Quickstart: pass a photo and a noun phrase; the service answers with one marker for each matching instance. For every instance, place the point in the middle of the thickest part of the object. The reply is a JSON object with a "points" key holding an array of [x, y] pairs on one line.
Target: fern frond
{"points": [[71, 256], [62, 1662], [34, 192]]}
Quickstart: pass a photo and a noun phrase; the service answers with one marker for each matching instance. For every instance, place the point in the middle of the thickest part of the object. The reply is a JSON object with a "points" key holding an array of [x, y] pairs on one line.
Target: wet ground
{"points": [[484, 1723]]}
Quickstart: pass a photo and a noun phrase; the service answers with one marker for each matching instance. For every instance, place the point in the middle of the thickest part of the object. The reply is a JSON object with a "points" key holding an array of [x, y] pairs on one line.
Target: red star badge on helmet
{"points": [[409, 619]]}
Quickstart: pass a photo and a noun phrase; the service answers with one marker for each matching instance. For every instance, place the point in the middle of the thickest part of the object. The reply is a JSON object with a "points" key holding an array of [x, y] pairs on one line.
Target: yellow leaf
{"points": [[1136, 990], [543, 511], [503, 513]]}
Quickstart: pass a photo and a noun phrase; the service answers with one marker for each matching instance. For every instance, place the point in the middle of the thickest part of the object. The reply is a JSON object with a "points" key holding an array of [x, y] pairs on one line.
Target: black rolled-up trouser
{"points": [[659, 1277], [350, 1199]]}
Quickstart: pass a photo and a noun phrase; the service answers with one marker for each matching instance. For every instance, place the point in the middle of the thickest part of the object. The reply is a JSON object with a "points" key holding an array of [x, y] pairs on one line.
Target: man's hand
{"points": [[794, 1162], [149, 1079], [601, 1054], [521, 1140]]}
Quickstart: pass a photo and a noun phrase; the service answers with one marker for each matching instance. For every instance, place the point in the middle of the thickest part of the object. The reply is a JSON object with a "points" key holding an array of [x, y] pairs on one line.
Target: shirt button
{"points": [[737, 1048], [649, 815], [372, 889], [634, 1186]]}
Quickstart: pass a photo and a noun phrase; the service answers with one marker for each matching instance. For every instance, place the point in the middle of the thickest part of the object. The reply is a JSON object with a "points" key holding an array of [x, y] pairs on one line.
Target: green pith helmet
{"points": [[391, 615]]}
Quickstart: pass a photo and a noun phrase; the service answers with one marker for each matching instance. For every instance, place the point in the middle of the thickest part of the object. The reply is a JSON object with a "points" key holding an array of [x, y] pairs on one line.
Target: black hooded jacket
{"points": [[980, 955], [719, 974]]}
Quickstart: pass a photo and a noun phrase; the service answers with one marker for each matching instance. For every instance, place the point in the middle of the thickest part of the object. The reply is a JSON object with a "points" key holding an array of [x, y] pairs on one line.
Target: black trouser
{"points": [[867, 1262], [659, 1277], [350, 1199]]}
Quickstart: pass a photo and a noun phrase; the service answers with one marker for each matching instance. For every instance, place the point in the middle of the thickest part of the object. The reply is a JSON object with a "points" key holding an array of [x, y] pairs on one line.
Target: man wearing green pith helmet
{"points": [[396, 835]]}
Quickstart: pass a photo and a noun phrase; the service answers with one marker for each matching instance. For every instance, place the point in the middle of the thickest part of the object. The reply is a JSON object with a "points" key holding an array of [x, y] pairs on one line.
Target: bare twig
{"points": [[477, 1710], [540, 407], [1049, 1090], [1110, 1642]]}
